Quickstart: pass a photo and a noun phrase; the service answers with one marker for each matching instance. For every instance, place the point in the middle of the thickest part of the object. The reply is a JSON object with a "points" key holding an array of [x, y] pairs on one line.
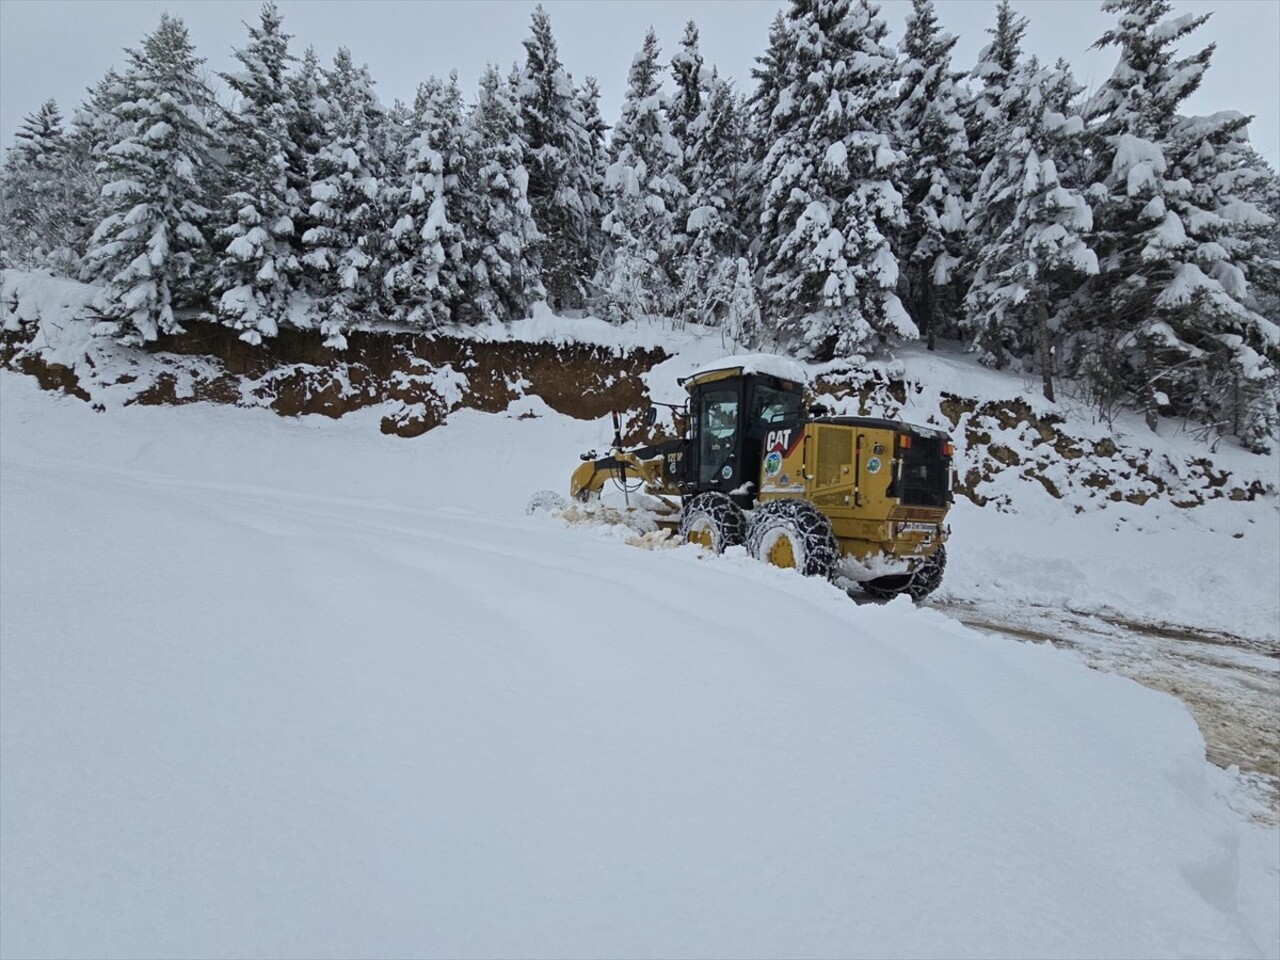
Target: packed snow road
{"points": [[292, 688]]}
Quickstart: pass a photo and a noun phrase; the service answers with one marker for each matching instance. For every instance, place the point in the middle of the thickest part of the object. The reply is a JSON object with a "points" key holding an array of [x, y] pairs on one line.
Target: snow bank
{"points": [[289, 687]]}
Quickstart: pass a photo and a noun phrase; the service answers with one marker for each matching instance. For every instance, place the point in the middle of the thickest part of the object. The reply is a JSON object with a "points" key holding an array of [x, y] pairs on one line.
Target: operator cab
{"points": [[733, 407]]}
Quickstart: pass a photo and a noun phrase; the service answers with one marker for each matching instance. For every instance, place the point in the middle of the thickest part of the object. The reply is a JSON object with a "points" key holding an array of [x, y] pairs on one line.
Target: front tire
{"points": [[918, 584], [714, 521], [793, 534]]}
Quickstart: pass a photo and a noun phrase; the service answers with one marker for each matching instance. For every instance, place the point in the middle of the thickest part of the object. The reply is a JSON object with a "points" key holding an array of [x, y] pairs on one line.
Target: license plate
{"points": [[917, 527]]}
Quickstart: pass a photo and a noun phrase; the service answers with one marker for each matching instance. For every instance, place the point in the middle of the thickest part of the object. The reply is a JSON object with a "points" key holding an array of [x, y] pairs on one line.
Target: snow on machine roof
{"points": [[770, 364]]}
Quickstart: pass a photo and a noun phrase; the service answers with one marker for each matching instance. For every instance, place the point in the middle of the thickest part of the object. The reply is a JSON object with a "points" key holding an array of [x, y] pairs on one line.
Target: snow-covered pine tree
{"points": [[1037, 223], [986, 129], [1263, 191], [1173, 326], [344, 248], [95, 127], [690, 85], [708, 129], [306, 138], [996, 63], [643, 193], [1225, 214], [684, 107], [397, 132], [563, 190], [499, 238], [767, 107], [262, 252], [931, 130], [832, 197], [155, 200], [427, 271], [715, 176], [595, 163], [742, 322], [37, 197], [770, 102]]}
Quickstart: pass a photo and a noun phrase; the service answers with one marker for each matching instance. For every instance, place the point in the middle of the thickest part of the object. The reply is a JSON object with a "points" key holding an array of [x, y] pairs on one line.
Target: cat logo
{"points": [[778, 439]]}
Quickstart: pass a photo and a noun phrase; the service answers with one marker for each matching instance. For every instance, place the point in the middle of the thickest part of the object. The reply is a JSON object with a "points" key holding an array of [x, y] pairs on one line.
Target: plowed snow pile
{"points": [[292, 688]]}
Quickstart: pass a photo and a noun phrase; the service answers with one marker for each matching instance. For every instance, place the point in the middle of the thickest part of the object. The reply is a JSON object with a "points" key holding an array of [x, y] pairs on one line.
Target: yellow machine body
{"points": [[847, 471], [884, 486]]}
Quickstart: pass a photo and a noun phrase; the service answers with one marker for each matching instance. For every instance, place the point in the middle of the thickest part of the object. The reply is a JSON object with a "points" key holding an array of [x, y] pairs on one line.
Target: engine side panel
{"points": [[848, 471]]}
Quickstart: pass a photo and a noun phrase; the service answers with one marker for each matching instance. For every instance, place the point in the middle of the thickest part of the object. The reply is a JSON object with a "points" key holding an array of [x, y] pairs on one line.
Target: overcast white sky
{"points": [[57, 48]]}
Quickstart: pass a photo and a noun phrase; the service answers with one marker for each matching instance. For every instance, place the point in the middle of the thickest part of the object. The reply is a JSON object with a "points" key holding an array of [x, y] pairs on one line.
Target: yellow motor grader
{"points": [[858, 498]]}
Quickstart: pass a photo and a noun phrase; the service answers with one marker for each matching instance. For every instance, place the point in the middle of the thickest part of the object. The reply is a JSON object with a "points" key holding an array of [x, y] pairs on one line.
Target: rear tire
{"points": [[793, 534], [714, 521], [917, 585]]}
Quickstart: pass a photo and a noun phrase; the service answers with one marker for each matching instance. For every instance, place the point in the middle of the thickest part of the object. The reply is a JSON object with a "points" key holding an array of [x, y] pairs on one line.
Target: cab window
{"points": [[719, 433], [770, 407]]}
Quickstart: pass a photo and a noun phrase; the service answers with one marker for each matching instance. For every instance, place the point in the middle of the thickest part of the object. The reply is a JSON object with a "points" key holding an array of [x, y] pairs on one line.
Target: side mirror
{"points": [[651, 416]]}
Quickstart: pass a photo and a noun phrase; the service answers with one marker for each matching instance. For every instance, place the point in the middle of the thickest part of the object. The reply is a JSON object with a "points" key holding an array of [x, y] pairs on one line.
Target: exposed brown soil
{"points": [[295, 373]]}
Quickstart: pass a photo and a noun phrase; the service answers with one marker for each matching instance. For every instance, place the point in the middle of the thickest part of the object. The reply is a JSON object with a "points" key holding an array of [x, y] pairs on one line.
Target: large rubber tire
{"points": [[793, 533], [714, 521], [917, 585]]}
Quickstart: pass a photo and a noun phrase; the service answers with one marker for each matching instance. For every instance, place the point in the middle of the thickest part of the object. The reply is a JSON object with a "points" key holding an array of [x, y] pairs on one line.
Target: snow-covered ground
{"points": [[293, 688]]}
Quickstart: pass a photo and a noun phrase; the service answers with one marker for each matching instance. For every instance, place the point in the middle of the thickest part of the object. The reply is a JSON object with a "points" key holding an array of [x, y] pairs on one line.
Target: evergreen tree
{"points": [[768, 109], [595, 164], [563, 191], [38, 209], [499, 235], [931, 130], [154, 199], [1234, 386], [832, 200], [771, 103], [742, 322], [691, 87], [996, 64], [643, 194], [1263, 191], [427, 270], [1037, 223], [306, 138], [344, 248], [715, 175], [258, 271], [1173, 325], [980, 106], [95, 128]]}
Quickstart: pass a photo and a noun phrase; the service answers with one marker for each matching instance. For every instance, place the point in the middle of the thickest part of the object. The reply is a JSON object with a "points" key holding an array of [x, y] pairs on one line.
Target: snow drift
{"points": [[288, 687]]}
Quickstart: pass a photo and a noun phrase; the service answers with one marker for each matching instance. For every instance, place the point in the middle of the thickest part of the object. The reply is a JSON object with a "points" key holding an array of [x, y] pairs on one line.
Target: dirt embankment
{"points": [[418, 379]]}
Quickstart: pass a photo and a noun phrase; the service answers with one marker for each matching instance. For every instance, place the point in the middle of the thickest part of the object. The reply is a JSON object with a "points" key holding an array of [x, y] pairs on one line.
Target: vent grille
{"points": [[926, 475], [835, 450]]}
